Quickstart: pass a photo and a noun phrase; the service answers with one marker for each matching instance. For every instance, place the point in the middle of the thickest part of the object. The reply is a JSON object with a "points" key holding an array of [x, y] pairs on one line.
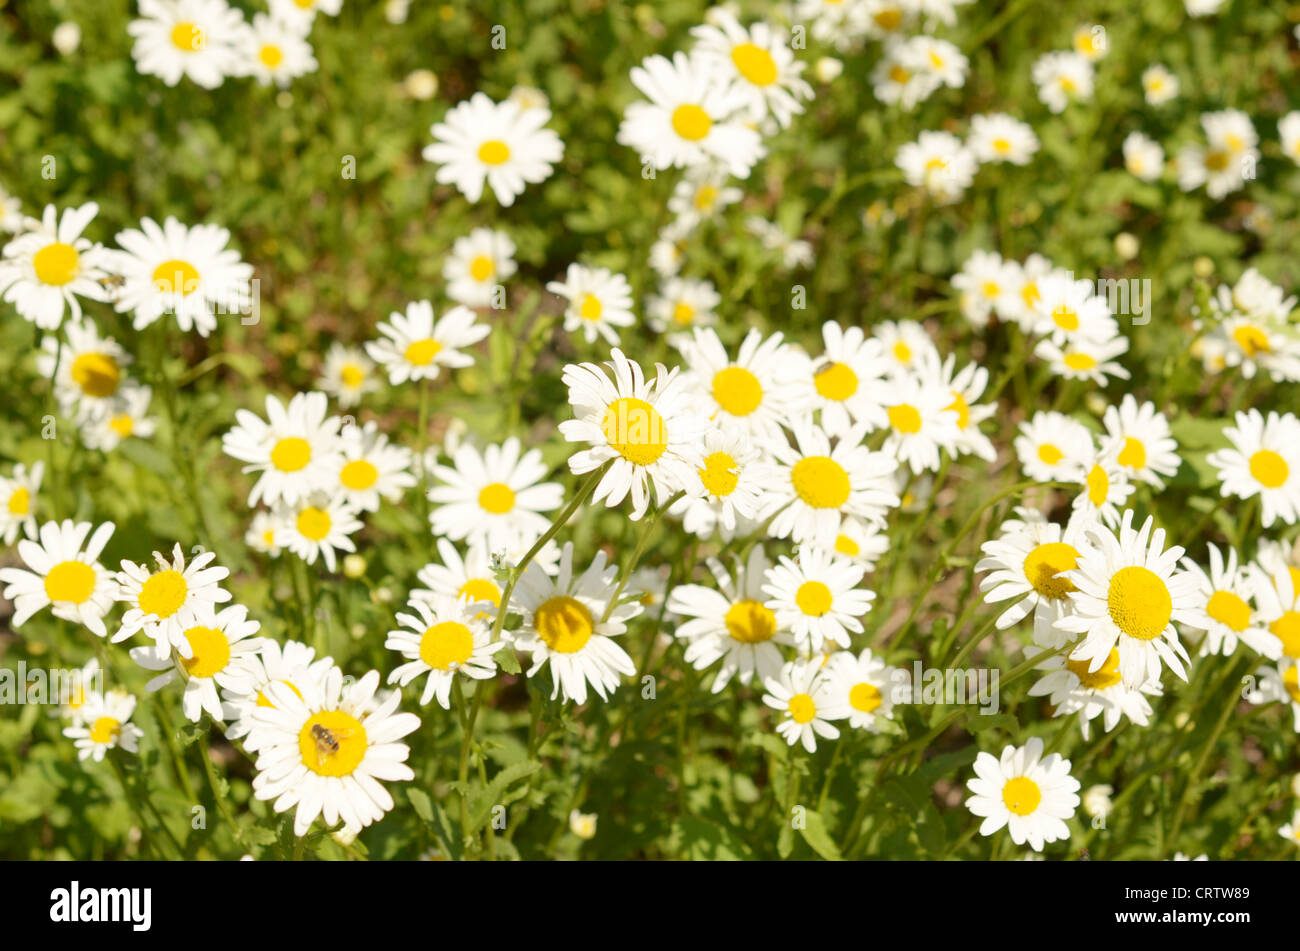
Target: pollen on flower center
{"points": [[864, 697], [1021, 795], [332, 743], [1251, 340], [175, 277], [1287, 630], [737, 391], [1228, 608], [270, 55], [750, 622], [291, 454], [1139, 602], [705, 196], [493, 152], [122, 424], [1269, 469], [187, 37], [72, 581], [1065, 318], [352, 375], [97, 374], [720, 474], [420, 353], [754, 63], [105, 730], [447, 645], [211, 652], [635, 430], [691, 122], [683, 314], [56, 264], [1098, 485], [313, 523], [1134, 454], [836, 382], [821, 482], [163, 593], [1107, 675], [905, 418], [1044, 565], [814, 598], [497, 498], [481, 268], [359, 474], [802, 708], [564, 623]]}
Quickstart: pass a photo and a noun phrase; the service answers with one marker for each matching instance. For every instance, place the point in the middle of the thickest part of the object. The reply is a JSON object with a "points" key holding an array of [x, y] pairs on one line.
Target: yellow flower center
{"points": [[836, 382], [750, 622], [211, 652], [1269, 469], [1098, 485], [187, 37], [163, 593], [1291, 681], [683, 314], [1251, 339], [1080, 361], [813, 598], [720, 474], [564, 623], [821, 482], [352, 375], [291, 454], [481, 268], [175, 277], [905, 418], [864, 697], [1287, 630], [497, 498], [1228, 608], [889, 18], [635, 430], [270, 55], [902, 352], [1022, 795], [737, 391], [847, 546], [1139, 602], [754, 63], [961, 408], [1043, 567], [313, 523], [1065, 318], [332, 743], [56, 264], [122, 424], [1002, 147], [898, 74], [1107, 675], [1134, 454], [493, 152], [447, 645], [359, 474], [691, 122], [97, 374], [1029, 294], [1216, 160], [20, 503], [591, 308], [480, 589], [420, 353], [705, 196], [105, 730], [801, 707], [72, 581], [1050, 454]]}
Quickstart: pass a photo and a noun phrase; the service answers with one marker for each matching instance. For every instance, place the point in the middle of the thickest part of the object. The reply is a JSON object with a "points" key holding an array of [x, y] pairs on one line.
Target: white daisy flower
{"points": [[863, 684], [297, 450], [196, 39], [479, 264], [291, 664], [598, 301], [501, 144], [1224, 613], [755, 393], [1264, 461], [415, 346], [219, 652], [701, 196], [1062, 77], [904, 341], [861, 542], [964, 387], [318, 526], [265, 534], [848, 384], [570, 623], [1159, 85], [63, 573], [1106, 487], [1051, 446], [347, 374], [1143, 156], [759, 64], [496, 497], [682, 304], [49, 265], [731, 623], [124, 415], [999, 137], [1278, 683], [1130, 596], [937, 59], [105, 725], [12, 219], [186, 271], [473, 577], [1085, 359], [1288, 133], [730, 490], [922, 418], [443, 637], [1140, 432], [806, 696], [939, 163], [1023, 303], [1278, 601], [301, 13], [371, 468], [648, 428], [272, 50], [1072, 312], [1070, 687], [169, 601], [987, 285], [87, 369], [325, 751], [1030, 794], [817, 597], [18, 493], [692, 118], [87, 685]]}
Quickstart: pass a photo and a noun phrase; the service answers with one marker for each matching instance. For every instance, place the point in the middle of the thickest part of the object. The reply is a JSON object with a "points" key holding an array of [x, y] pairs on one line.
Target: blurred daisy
{"points": [[922, 420], [1159, 85], [371, 468], [87, 370], [219, 651], [18, 493], [939, 163], [300, 13], [1051, 446], [124, 415], [1085, 359], [442, 637], [861, 542], [501, 144], [863, 687], [167, 602], [49, 265], [347, 374], [86, 684], [598, 301], [731, 623], [318, 526], [847, 385], [1141, 433], [1264, 461], [1129, 597], [326, 750], [818, 597], [965, 387], [196, 39], [274, 50], [63, 573], [1062, 77], [1291, 830], [569, 622], [1223, 610], [479, 263], [681, 305], [1089, 41], [496, 497], [701, 196], [1143, 156], [806, 696], [105, 725], [759, 64], [1023, 303], [186, 271], [296, 451], [1072, 312], [649, 429], [986, 284], [692, 117], [12, 219], [1000, 138], [1288, 132], [415, 346], [265, 534], [730, 487], [904, 341], [1030, 794]]}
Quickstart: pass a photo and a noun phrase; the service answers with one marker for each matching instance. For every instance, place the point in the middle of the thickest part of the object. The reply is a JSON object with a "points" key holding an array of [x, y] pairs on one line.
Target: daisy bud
{"points": [[582, 824], [421, 84], [66, 38], [1096, 800], [1126, 246], [354, 566], [827, 69], [1203, 267]]}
